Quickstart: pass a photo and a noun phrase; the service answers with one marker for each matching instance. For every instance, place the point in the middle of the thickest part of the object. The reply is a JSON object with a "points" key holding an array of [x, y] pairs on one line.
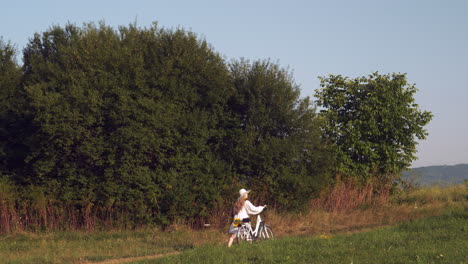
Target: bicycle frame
{"points": [[262, 231], [257, 226]]}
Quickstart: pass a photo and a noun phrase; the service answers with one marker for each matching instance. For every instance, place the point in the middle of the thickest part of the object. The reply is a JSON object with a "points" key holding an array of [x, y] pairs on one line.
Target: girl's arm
{"points": [[252, 209]]}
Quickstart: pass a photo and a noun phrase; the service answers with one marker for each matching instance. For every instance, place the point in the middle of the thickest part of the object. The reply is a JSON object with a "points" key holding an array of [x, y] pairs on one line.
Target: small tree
{"points": [[373, 122]]}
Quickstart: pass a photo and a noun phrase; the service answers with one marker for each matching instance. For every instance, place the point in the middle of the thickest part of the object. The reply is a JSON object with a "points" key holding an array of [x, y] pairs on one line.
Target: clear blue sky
{"points": [[426, 39]]}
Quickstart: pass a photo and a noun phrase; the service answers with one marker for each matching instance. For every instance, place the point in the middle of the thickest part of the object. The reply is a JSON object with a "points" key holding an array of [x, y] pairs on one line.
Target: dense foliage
{"points": [[279, 151], [12, 148], [152, 122], [373, 122]]}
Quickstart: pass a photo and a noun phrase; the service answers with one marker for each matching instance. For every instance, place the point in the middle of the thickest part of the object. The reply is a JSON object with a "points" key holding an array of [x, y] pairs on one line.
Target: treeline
{"points": [[149, 126]]}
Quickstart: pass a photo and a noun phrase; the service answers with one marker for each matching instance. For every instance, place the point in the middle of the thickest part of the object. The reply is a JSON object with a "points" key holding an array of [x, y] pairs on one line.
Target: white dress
{"points": [[245, 211]]}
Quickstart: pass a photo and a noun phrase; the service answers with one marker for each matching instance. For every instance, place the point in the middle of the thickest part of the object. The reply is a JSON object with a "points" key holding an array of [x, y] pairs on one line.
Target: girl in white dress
{"points": [[241, 211]]}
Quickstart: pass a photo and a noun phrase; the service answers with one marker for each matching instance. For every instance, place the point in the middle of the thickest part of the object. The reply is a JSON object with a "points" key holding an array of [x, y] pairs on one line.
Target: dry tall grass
{"points": [[321, 219], [54, 216], [346, 209]]}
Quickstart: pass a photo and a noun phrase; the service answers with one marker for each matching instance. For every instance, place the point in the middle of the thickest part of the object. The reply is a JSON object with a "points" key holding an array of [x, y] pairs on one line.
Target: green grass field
{"points": [[439, 239], [76, 247], [433, 229]]}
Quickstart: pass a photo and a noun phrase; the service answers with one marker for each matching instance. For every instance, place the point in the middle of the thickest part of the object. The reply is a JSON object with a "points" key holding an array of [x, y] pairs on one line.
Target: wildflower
{"points": [[237, 222]]}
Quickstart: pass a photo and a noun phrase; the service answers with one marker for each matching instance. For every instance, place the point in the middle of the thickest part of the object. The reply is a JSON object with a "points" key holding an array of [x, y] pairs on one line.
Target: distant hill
{"points": [[438, 175]]}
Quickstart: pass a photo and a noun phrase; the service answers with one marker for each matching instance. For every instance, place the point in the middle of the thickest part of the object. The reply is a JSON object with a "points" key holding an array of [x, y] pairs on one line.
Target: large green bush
{"points": [[155, 123]]}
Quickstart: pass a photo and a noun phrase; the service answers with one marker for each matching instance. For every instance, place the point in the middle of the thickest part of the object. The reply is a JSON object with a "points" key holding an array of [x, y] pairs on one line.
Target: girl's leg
{"points": [[231, 239]]}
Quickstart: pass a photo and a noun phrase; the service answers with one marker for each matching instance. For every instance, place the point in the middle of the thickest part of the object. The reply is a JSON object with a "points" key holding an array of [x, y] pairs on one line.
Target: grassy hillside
{"points": [[438, 175], [439, 239], [319, 235]]}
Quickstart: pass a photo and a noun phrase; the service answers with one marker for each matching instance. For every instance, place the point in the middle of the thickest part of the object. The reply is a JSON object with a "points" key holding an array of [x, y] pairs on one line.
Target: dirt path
{"points": [[131, 259]]}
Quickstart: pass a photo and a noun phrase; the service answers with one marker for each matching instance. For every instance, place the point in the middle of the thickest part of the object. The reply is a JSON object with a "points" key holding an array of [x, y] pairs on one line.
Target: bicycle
{"points": [[262, 231]]}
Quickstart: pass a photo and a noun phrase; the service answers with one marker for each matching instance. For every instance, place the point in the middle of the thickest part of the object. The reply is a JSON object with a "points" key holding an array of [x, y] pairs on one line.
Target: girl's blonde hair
{"points": [[239, 204]]}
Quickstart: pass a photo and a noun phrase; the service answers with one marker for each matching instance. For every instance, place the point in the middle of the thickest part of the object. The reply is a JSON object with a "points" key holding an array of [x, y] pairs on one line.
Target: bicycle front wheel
{"points": [[266, 233], [244, 235]]}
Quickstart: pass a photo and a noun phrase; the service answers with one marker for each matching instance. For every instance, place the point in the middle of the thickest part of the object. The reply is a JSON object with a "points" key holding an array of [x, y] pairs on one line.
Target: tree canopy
{"points": [[152, 126], [154, 122], [373, 122], [12, 148], [279, 149]]}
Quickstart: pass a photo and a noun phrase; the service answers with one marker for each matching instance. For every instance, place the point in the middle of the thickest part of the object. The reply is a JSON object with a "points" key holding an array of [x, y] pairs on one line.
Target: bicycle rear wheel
{"points": [[244, 235], [266, 233]]}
